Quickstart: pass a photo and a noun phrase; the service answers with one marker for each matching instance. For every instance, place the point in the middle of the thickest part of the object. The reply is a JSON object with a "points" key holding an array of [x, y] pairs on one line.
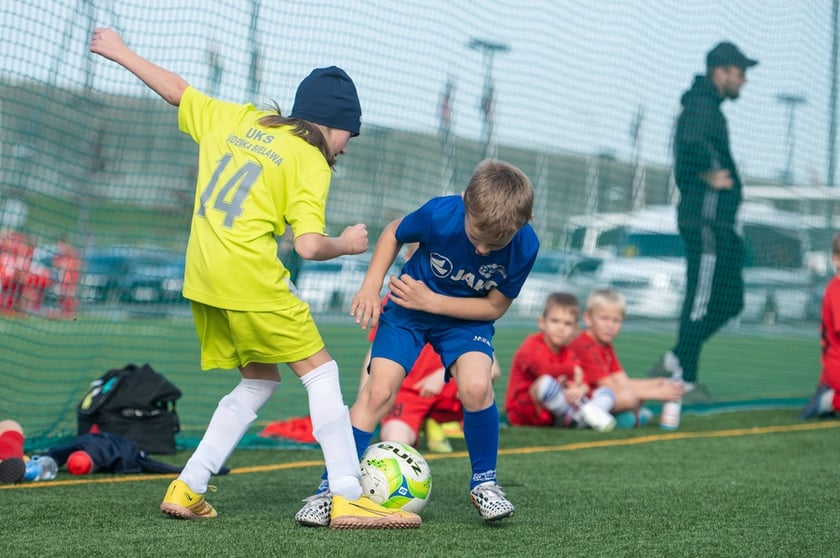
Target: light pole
{"points": [[254, 66], [832, 97], [488, 50], [792, 101]]}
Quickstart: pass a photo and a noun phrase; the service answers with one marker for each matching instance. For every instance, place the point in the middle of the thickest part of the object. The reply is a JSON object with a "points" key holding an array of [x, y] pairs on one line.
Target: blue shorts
{"points": [[401, 335]]}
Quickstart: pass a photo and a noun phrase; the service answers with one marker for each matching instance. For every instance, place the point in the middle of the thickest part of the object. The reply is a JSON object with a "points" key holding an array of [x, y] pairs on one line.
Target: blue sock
{"points": [[481, 433], [362, 439]]}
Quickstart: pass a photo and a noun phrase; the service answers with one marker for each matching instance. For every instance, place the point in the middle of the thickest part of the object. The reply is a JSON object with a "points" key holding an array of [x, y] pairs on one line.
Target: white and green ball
{"points": [[395, 475]]}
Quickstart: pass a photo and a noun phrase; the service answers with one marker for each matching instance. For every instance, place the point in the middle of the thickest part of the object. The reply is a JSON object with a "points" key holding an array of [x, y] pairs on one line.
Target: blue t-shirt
{"points": [[446, 260], [447, 263]]}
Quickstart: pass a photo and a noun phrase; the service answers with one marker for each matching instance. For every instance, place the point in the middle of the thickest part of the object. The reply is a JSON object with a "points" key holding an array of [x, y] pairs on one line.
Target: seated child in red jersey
{"points": [[604, 316], [546, 386], [826, 400]]}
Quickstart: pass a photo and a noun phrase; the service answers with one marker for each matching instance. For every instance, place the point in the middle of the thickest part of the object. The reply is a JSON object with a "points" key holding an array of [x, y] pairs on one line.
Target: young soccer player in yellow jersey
{"points": [[259, 171]]}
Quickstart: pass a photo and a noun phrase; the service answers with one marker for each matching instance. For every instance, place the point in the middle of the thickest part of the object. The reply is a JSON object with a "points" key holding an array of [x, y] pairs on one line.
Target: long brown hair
{"points": [[313, 134]]}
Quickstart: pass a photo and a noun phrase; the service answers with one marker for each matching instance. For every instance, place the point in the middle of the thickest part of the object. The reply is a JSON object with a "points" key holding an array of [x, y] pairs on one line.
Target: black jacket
{"points": [[701, 144]]}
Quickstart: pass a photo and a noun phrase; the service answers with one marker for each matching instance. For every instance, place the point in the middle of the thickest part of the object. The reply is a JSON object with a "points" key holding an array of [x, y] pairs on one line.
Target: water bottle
{"points": [[670, 419], [40, 468]]}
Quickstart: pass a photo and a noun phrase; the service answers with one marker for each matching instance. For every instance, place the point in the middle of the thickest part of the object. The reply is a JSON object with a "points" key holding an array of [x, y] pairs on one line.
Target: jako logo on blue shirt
{"points": [[442, 267]]}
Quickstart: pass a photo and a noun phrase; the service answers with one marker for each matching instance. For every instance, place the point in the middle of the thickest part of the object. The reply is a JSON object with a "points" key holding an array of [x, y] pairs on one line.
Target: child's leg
{"points": [[368, 407], [378, 394], [331, 427], [11, 439], [234, 414], [550, 394], [620, 395], [831, 378], [403, 421], [656, 389], [472, 372], [396, 430]]}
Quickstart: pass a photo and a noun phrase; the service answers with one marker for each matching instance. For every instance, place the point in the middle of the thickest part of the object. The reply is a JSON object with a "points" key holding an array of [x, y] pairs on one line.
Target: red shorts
{"points": [[525, 414], [413, 409]]}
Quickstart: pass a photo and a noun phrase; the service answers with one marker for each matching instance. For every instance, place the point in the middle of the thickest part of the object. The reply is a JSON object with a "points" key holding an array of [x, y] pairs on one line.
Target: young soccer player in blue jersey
{"points": [[474, 253], [259, 171]]}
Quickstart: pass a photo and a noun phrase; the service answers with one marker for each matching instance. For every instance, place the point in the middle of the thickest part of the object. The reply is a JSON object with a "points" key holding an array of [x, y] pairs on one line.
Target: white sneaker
{"points": [[316, 510], [596, 418], [490, 501], [672, 365]]}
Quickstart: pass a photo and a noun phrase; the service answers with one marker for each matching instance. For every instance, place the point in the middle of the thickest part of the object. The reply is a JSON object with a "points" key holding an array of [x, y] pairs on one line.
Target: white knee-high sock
{"points": [[604, 398], [331, 427], [552, 395], [234, 414]]}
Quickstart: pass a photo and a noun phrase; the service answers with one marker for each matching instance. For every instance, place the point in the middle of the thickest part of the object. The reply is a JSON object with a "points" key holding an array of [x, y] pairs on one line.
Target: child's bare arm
{"points": [[108, 44], [656, 389], [432, 384], [312, 246], [576, 389], [578, 376], [366, 304], [411, 293]]}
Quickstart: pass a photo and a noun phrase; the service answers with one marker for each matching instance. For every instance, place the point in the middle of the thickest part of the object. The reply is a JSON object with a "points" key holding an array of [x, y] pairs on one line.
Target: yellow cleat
{"points": [[182, 503], [364, 513], [452, 429], [435, 439]]}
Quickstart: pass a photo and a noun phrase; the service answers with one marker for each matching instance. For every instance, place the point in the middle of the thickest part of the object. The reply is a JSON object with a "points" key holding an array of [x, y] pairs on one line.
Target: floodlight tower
{"points": [[792, 101], [488, 50]]}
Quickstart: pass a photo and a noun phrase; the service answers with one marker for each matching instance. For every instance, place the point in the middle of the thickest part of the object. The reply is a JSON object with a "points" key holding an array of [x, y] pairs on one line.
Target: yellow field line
{"points": [[663, 437]]}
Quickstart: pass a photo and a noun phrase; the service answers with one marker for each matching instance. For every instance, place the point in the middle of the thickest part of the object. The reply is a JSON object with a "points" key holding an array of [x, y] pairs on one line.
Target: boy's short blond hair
{"points": [[561, 300], [499, 200], [606, 298]]}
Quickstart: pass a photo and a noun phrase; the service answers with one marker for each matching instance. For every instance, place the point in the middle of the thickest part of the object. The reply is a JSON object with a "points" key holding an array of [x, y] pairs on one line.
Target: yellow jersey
{"points": [[252, 181]]}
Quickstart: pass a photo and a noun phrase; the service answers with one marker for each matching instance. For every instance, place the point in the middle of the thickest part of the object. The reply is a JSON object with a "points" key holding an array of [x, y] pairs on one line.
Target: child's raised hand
{"points": [[107, 43]]}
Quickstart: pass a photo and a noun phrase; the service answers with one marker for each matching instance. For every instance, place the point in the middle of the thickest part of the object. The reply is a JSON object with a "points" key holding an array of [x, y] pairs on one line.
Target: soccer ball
{"points": [[395, 475]]}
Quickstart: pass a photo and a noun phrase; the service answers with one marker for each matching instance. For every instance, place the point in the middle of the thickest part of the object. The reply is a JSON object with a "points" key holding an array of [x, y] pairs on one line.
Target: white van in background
{"points": [[649, 267], [597, 234]]}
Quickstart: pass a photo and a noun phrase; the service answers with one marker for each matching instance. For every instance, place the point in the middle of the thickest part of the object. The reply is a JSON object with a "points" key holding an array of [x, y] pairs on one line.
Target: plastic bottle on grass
{"points": [[670, 419], [40, 468]]}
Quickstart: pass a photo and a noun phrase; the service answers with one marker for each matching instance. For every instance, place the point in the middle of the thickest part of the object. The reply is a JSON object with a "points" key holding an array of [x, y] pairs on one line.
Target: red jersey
{"points": [[598, 361], [830, 334], [534, 358]]}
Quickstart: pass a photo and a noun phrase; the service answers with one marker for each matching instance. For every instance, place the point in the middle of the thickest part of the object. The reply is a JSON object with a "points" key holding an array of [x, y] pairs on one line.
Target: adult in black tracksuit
{"points": [[710, 193]]}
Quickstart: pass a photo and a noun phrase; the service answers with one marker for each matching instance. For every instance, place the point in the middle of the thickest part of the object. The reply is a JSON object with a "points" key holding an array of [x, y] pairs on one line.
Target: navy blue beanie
{"points": [[328, 97]]}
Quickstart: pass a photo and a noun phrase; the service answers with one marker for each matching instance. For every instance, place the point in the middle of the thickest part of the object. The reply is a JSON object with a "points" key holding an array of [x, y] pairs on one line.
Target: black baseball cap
{"points": [[727, 54]]}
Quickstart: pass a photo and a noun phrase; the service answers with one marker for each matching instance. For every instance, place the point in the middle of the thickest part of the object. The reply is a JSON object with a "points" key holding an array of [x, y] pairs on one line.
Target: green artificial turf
{"points": [[757, 483]]}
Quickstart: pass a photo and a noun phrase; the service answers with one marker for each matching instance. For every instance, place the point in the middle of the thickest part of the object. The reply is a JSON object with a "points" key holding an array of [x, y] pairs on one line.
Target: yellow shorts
{"points": [[232, 339]]}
